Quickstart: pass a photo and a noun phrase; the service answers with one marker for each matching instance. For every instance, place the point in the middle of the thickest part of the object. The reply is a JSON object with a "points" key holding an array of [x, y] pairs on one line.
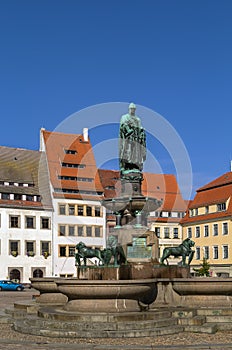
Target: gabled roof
{"points": [[215, 192], [75, 172], [160, 186], [21, 166]]}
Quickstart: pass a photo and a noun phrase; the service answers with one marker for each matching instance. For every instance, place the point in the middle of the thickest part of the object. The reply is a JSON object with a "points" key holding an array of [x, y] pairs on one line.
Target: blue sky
{"points": [[171, 56]]}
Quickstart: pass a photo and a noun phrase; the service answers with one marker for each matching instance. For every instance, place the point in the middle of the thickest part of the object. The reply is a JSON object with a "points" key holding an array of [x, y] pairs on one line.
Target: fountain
{"points": [[129, 294]]}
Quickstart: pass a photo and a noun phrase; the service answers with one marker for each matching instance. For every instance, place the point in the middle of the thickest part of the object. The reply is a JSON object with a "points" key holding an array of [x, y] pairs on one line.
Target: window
{"points": [[30, 248], [206, 231], [198, 253], [30, 221], [29, 198], [196, 211], [225, 228], [225, 254], [88, 211], [215, 252], [206, 252], [71, 251], [157, 231], [62, 210], [5, 196], [71, 209], [45, 248], [44, 223], [89, 231], [61, 230], [62, 251], [175, 232], [14, 221], [206, 209], [221, 207], [215, 229], [97, 211], [17, 197], [191, 212], [14, 248], [166, 232], [80, 231], [97, 231], [72, 165], [70, 151], [80, 210], [197, 233], [189, 232], [71, 230]]}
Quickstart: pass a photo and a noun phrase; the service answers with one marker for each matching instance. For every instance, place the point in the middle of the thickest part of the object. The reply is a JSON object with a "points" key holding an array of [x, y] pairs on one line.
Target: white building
{"points": [[76, 192], [25, 215]]}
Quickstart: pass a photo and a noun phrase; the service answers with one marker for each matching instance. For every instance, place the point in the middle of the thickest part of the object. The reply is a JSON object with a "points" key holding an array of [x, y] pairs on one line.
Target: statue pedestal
{"points": [[104, 273], [171, 271]]}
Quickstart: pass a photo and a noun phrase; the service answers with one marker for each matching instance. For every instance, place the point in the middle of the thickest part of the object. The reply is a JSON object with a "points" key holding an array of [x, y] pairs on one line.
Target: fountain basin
{"points": [[138, 203], [49, 293], [107, 296], [202, 286]]}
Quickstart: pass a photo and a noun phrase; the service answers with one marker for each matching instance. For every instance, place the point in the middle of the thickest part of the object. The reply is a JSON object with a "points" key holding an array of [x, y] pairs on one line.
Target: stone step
{"points": [[4, 318], [194, 321], [223, 326], [14, 313], [21, 326], [215, 311], [219, 319], [205, 328], [184, 313], [61, 315], [110, 326]]}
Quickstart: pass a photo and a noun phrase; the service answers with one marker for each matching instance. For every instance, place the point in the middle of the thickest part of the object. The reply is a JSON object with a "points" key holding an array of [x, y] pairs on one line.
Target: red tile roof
{"points": [[216, 192], [160, 186], [56, 144]]}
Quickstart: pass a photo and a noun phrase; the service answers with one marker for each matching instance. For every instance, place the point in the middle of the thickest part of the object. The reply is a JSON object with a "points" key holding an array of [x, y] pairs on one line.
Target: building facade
{"points": [[208, 222], [76, 192], [25, 215]]}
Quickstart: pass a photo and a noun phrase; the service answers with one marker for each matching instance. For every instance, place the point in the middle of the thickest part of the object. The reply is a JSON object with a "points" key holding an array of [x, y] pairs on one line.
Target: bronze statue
{"points": [[84, 252], [114, 250], [132, 142], [183, 250]]}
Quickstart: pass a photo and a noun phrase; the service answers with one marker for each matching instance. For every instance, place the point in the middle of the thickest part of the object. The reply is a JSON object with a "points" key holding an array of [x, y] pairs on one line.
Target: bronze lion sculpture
{"points": [[84, 252], [183, 250]]}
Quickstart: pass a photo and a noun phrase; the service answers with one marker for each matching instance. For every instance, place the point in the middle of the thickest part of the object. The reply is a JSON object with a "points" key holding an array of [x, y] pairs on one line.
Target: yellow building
{"points": [[208, 222]]}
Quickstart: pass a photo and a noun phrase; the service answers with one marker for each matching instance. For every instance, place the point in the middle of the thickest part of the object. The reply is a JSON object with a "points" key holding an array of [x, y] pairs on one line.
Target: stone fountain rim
{"points": [[76, 281]]}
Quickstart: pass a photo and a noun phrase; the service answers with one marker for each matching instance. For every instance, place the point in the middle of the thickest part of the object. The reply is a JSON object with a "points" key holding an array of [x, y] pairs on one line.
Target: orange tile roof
{"points": [[82, 164], [22, 166], [216, 192], [160, 186]]}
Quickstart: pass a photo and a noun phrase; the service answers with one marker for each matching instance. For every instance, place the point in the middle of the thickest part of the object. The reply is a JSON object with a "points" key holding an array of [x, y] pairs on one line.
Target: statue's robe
{"points": [[132, 143]]}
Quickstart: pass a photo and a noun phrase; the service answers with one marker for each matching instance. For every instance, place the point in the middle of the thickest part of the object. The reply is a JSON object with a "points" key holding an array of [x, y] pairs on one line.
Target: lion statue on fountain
{"points": [[183, 250], [113, 251]]}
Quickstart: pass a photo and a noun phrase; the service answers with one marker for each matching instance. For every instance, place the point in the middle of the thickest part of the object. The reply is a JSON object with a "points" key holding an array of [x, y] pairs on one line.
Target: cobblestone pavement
{"points": [[12, 340]]}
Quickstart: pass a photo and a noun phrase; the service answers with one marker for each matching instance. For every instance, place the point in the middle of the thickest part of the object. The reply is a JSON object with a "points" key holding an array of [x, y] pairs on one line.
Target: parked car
{"points": [[10, 285]]}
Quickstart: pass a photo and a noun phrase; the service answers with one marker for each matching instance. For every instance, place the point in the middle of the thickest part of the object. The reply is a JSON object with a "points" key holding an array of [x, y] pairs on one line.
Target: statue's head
{"points": [[132, 108]]}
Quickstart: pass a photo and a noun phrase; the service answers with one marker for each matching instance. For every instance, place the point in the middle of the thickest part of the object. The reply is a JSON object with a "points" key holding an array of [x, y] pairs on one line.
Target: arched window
{"points": [[37, 273], [15, 275]]}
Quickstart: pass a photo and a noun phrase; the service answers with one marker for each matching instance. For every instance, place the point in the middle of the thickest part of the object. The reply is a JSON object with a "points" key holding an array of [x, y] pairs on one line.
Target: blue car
{"points": [[10, 285]]}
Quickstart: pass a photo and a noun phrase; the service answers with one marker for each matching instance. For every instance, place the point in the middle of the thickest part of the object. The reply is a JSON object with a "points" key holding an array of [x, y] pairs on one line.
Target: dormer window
{"points": [[70, 151], [221, 207]]}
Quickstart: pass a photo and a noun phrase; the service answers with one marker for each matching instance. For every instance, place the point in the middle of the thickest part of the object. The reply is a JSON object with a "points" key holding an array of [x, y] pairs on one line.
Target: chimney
{"points": [[85, 134]]}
